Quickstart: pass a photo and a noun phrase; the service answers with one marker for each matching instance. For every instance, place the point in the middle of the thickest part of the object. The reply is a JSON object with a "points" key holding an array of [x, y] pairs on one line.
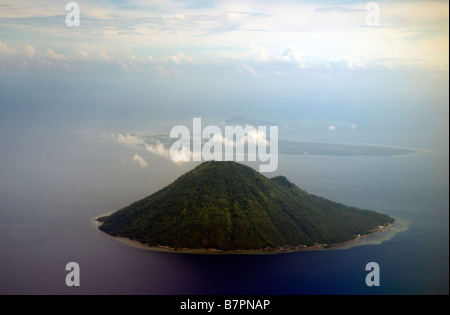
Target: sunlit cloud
{"points": [[310, 34], [250, 137], [258, 53], [178, 58], [140, 160], [158, 149], [52, 55], [340, 9], [30, 51], [387, 64], [127, 139], [346, 62], [291, 54], [4, 49]]}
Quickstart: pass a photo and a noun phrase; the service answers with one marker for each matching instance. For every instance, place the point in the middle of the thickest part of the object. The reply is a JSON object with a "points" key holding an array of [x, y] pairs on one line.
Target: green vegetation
{"points": [[295, 147], [288, 147], [229, 206]]}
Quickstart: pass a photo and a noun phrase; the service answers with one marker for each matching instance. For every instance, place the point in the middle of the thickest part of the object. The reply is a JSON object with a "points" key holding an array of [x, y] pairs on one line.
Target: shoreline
{"points": [[374, 238]]}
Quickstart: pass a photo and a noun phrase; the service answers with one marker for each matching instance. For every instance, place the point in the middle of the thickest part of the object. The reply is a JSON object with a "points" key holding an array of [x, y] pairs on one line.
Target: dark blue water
{"points": [[45, 222]]}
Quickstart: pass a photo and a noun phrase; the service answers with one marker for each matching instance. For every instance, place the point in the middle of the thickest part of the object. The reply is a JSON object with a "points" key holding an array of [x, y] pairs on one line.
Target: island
{"points": [[228, 207], [301, 148]]}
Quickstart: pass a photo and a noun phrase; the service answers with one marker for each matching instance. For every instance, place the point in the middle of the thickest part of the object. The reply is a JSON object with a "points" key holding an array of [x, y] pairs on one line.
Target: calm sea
{"points": [[45, 222]]}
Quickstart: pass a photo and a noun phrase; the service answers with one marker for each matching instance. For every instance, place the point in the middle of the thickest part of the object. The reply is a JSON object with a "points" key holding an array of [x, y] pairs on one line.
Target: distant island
{"points": [[289, 147], [298, 147], [229, 207]]}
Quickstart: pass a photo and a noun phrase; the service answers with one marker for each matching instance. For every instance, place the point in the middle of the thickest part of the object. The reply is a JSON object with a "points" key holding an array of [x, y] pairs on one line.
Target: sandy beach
{"points": [[375, 238]]}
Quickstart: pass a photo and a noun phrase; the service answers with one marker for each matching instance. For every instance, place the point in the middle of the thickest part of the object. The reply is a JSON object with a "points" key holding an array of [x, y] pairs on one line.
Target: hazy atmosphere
{"points": [[84, 111]]}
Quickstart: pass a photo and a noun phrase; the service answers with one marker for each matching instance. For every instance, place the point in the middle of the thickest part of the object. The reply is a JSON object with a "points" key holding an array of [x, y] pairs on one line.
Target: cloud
{"points": [[291, 54], [387, 64], [83, 53], [184, 154], [161, 70], [59, 57], [257, 137], [346, 62], [178, 58], [30, 51], [173, 17], [252, 136], [5, 49], [128, 139], [95, 52], [149, 59], [223, 30], [334, 125], [128, 66], [140, 160], [175, 60], [339, 9], [246, 69], [158, 149], [133, 140], [104, 56], [44, 64], [258, 53]]}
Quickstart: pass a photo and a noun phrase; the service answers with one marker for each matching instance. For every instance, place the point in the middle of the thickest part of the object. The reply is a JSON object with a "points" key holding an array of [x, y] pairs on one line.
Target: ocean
{"points": [[46, 222]]}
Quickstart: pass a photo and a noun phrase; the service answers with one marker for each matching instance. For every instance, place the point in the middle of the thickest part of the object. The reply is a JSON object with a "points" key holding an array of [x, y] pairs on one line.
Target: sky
{"points": [[255, 38], [78, 103], [144, 66]]}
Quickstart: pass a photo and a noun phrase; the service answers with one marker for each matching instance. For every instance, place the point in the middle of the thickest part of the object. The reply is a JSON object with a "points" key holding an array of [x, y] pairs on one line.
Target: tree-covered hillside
{"points": [[229, 206]]}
